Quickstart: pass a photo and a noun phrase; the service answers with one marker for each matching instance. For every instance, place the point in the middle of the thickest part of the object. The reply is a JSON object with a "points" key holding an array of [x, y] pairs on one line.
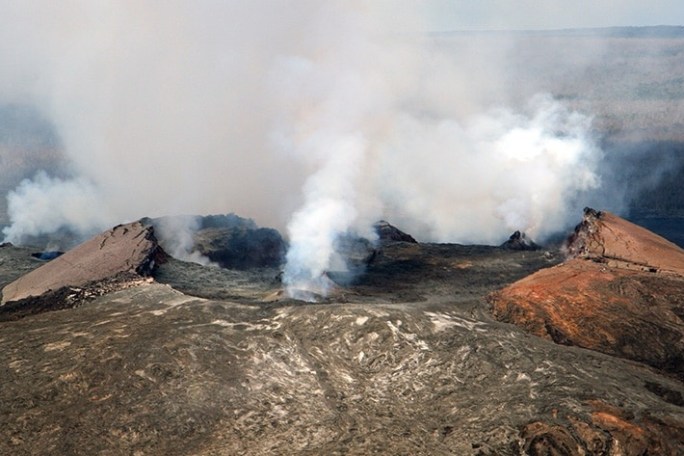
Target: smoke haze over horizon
{"points": [[317, 116], [550, 14]]}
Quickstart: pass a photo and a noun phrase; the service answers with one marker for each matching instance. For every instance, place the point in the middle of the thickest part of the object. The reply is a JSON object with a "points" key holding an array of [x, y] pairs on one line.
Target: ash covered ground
{"points": [[406, 360]]}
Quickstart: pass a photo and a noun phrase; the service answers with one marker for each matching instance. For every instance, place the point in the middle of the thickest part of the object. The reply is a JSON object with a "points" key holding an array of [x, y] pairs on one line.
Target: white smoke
{"points": [[163, 108], [46, 205], [494, 174], [448, 182], [322, 116], [383, 144], [176, 235]]}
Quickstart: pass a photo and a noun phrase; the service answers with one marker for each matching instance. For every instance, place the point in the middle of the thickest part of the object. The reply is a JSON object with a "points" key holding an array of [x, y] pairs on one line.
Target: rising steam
{"points": [[45, 204], [314, 115]]}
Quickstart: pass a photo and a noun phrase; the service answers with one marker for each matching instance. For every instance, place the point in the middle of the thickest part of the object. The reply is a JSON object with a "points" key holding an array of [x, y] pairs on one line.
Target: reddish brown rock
{"points": [[608, 430], [548, 439], [612, 240], [620, 293], [123, 250]]}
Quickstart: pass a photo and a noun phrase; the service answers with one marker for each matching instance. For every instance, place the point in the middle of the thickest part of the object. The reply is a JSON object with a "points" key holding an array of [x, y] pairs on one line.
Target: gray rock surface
{"points": [[405, 362]]}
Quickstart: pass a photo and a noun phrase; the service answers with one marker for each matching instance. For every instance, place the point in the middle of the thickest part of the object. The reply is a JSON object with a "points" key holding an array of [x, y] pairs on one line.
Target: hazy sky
{"points": [[551, 14]]}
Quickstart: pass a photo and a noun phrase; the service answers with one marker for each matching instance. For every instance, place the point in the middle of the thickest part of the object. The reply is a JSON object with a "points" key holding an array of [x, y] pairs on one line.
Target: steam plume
{"points": [[177, 238], [321, 116], [45, 204]]}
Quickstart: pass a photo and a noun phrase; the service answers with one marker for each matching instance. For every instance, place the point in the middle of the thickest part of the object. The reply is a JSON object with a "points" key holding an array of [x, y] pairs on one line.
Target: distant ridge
{"points": [[655, 31]]}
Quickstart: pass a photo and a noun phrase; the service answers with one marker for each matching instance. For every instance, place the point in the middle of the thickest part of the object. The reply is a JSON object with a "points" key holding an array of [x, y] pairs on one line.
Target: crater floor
{"points": [[406, 360]]}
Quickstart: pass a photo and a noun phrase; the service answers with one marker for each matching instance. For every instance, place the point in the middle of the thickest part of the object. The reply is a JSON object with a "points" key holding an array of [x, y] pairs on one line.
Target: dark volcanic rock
{"points": [[520, 241], [149, 370], [228, 240], [387, 232], [125, 249], [47, 255], [226, 221], [406, 362], [621, 293], [69, 296], [241, 248]]}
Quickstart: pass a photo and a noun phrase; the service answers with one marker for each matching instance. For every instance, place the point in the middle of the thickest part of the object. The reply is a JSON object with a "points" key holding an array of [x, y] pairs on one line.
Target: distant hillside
{"points": [[629, 78], [657, 31]]}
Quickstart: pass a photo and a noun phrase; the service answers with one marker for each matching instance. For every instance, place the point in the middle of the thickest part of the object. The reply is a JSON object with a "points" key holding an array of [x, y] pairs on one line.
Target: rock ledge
{"points": [[121, 251]]}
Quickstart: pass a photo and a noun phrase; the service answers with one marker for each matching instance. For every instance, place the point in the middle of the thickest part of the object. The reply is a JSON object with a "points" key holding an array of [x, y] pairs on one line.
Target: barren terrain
{"points": [[407, 360]]}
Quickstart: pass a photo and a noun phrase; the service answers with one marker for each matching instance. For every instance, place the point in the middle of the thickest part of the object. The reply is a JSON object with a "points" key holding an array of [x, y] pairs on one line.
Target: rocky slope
{"points": [[118, 256], [407, 361], [621, 292]]}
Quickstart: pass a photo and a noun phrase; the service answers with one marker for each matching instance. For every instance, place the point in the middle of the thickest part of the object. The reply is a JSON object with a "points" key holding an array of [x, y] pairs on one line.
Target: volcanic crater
{"points": [[416, 356]]}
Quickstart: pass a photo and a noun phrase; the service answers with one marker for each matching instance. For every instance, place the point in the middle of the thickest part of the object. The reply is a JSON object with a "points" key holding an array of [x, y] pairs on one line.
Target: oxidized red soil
{"points": [[622, 294]]}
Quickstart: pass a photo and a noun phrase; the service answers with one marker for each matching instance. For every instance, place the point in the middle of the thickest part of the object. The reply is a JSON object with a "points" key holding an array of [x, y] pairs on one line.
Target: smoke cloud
{"points": [[176, 235], [321, 117], [45, 204], [499, 172]]}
